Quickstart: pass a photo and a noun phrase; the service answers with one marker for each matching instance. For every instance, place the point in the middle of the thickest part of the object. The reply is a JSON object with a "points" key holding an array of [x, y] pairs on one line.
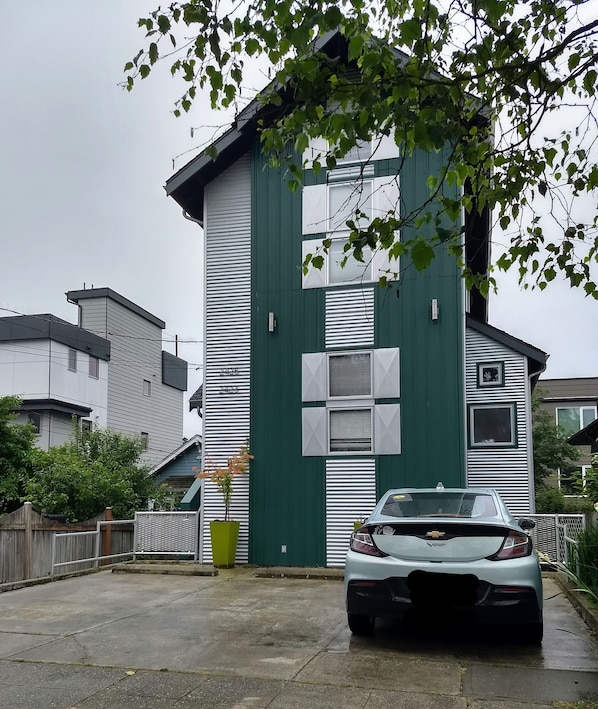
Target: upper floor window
{"points": [[351, 270], [350, 375], [94, 367], [349, 201], [358, 153], [350, 430], [572, 419], [72, 360], [144, 440], [35, 420], [147, 387]]}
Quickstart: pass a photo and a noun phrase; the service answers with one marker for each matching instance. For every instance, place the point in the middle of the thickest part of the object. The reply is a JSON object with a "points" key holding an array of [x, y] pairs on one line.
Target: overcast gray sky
{"points": [[82, 169]]}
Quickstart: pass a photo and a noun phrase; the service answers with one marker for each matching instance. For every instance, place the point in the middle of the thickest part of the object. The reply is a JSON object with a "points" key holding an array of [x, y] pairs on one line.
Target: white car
{"points": [[442, 549]]}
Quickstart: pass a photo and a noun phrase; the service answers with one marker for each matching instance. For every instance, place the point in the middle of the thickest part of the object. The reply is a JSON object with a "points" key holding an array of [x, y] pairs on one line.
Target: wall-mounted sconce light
{"points": [[434, 309], [271, 322]]}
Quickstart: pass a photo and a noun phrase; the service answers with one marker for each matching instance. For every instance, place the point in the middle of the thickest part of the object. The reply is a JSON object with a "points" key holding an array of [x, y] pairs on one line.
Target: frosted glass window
{"points": [[350, 430], [350, 375], [353, 271], [344, 199]]}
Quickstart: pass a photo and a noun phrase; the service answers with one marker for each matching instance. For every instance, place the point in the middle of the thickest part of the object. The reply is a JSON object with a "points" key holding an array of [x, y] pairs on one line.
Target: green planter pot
{"points": [[224, 536]]}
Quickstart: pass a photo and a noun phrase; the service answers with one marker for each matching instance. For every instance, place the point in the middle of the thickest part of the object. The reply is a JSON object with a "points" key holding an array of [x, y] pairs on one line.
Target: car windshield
{"points": [[439, 504]]}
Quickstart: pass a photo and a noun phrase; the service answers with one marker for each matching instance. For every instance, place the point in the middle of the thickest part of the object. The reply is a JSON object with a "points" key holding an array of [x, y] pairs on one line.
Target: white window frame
{"points": [[473, 408], [584, 470], [349, 353], [364, 204], [350, 451], [581, 409], [365, 145]]}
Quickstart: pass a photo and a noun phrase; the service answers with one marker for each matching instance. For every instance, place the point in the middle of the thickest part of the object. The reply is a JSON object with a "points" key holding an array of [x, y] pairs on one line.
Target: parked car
{"points": [[436, 550]]}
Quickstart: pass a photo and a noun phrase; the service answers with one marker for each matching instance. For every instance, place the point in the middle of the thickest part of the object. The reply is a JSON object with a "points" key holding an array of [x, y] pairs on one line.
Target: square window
{"points": [[86, 426], [492, 425], [349, 200], [352, 271], [72, 360], [350, 375], [572, 480], [350, 430], [491, 374], [147, 387], [94, 367]]}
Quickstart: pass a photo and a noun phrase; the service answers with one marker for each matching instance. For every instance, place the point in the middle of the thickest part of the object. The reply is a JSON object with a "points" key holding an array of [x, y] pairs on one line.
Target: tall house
{"points": [[145, 385], [343, 388]]}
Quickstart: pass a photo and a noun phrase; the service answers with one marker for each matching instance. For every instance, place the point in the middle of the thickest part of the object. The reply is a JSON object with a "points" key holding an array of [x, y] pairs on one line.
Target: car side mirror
{"points": [[526, 523]]}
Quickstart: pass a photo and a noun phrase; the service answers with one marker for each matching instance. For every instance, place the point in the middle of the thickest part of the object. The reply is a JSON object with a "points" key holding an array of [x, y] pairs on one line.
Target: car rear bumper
{"points": [[436, 592]]}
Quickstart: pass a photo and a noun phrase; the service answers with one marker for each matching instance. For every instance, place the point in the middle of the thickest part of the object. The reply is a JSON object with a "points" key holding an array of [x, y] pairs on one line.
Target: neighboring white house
{"points": [[109, 370]]}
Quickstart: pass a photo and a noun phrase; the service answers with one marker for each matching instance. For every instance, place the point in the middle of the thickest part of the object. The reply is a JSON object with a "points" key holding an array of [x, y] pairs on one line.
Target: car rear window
{"points": [[439, 504]]}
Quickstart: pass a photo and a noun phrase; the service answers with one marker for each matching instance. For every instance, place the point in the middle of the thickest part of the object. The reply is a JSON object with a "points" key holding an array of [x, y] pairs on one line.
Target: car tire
{"points": [[361, 624], [531, 633]]}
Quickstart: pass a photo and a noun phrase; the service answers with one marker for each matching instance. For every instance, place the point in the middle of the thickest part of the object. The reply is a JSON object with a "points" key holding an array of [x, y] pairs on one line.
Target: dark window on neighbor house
{"points": [[144, 440], [147, 387], [72, 360], [86, 426], [492, 425], [36, 420], [94, 367], [572, 481]]}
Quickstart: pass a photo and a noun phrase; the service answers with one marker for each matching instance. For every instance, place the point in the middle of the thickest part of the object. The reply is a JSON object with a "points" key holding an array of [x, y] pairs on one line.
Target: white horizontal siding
{"points": [[509, 470], [350, 496], [350, 317], [227, 226]]}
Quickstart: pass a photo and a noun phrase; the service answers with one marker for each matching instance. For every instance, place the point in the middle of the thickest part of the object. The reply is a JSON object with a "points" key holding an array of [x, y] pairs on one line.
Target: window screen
{"points": [[350, 374], [350, 430]]}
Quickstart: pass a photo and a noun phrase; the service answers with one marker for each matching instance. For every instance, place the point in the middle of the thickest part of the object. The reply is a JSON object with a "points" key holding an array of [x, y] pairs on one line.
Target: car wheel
{"points": [[531, 633], [361, 624]]}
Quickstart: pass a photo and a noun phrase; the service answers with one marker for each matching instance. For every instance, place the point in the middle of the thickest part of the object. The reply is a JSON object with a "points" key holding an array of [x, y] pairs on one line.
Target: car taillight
{"points": [[516, 544], [362, 542]]}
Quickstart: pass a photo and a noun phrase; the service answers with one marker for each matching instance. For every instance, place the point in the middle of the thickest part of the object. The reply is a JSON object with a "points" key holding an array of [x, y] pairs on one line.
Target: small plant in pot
{"points": [[225, 533]]}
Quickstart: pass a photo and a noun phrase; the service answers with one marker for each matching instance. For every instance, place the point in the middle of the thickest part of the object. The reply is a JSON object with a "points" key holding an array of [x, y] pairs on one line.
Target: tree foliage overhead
{"points": [[431, 74], [95, 470], [17, 443]]}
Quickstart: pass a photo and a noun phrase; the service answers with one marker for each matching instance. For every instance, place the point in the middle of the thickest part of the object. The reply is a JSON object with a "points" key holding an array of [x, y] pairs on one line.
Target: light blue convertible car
{"points": [[438, 549]]}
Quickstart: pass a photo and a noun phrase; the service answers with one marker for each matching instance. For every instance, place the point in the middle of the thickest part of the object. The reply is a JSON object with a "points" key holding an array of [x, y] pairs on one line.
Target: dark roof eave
{"points": [[536, 357], [586, 437]]}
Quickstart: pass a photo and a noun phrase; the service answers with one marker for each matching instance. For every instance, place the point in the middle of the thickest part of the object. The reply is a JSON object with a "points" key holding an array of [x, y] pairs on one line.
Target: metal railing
{"points": [[75, 545], [553, 534]]}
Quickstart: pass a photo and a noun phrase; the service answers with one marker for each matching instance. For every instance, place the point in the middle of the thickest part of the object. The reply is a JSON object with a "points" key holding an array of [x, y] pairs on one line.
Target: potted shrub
{"points": [[225, 533]]}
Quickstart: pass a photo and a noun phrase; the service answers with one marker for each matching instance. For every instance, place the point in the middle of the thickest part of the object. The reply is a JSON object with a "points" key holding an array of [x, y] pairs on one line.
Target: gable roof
{"points": [[187, 185], [183, 448], [536, 358], [586, 437]]}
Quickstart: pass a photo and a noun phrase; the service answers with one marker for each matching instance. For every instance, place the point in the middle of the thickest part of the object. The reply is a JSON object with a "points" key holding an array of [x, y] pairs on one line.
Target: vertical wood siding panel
{"points": [[227, 227]]}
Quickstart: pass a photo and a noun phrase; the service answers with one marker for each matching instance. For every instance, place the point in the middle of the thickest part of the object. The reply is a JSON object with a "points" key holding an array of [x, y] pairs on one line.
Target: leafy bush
{"points": [[551, 501]]}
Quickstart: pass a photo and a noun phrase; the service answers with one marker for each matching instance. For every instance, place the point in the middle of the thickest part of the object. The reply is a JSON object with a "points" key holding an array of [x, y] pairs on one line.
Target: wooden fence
{"points": [[26, 543]]}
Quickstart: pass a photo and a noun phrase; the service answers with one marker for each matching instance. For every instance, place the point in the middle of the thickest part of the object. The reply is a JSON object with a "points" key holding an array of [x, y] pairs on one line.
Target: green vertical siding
{"points": [[287, 500], [287, 490]]}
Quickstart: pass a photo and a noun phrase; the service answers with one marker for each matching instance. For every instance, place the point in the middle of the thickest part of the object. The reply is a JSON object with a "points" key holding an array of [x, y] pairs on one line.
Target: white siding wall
{"points": [[227, 226], [509, 470], [38, 369]]}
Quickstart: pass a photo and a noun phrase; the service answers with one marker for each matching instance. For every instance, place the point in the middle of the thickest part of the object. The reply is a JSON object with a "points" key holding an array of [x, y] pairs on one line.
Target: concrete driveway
{"points": [[128, 641]]}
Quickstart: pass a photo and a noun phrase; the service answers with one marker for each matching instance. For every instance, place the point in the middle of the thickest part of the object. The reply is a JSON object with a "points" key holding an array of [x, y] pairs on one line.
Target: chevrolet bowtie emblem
{"points": [[435, 535]]}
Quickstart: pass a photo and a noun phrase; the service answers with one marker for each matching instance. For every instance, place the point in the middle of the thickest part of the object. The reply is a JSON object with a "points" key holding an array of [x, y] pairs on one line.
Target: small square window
{"points": [[94, 367], [147, 387], [350, 430], [349, 375], [572, 481], [352, 271], [491, 374], [349, 200], [72, 360], [492, 425]]}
